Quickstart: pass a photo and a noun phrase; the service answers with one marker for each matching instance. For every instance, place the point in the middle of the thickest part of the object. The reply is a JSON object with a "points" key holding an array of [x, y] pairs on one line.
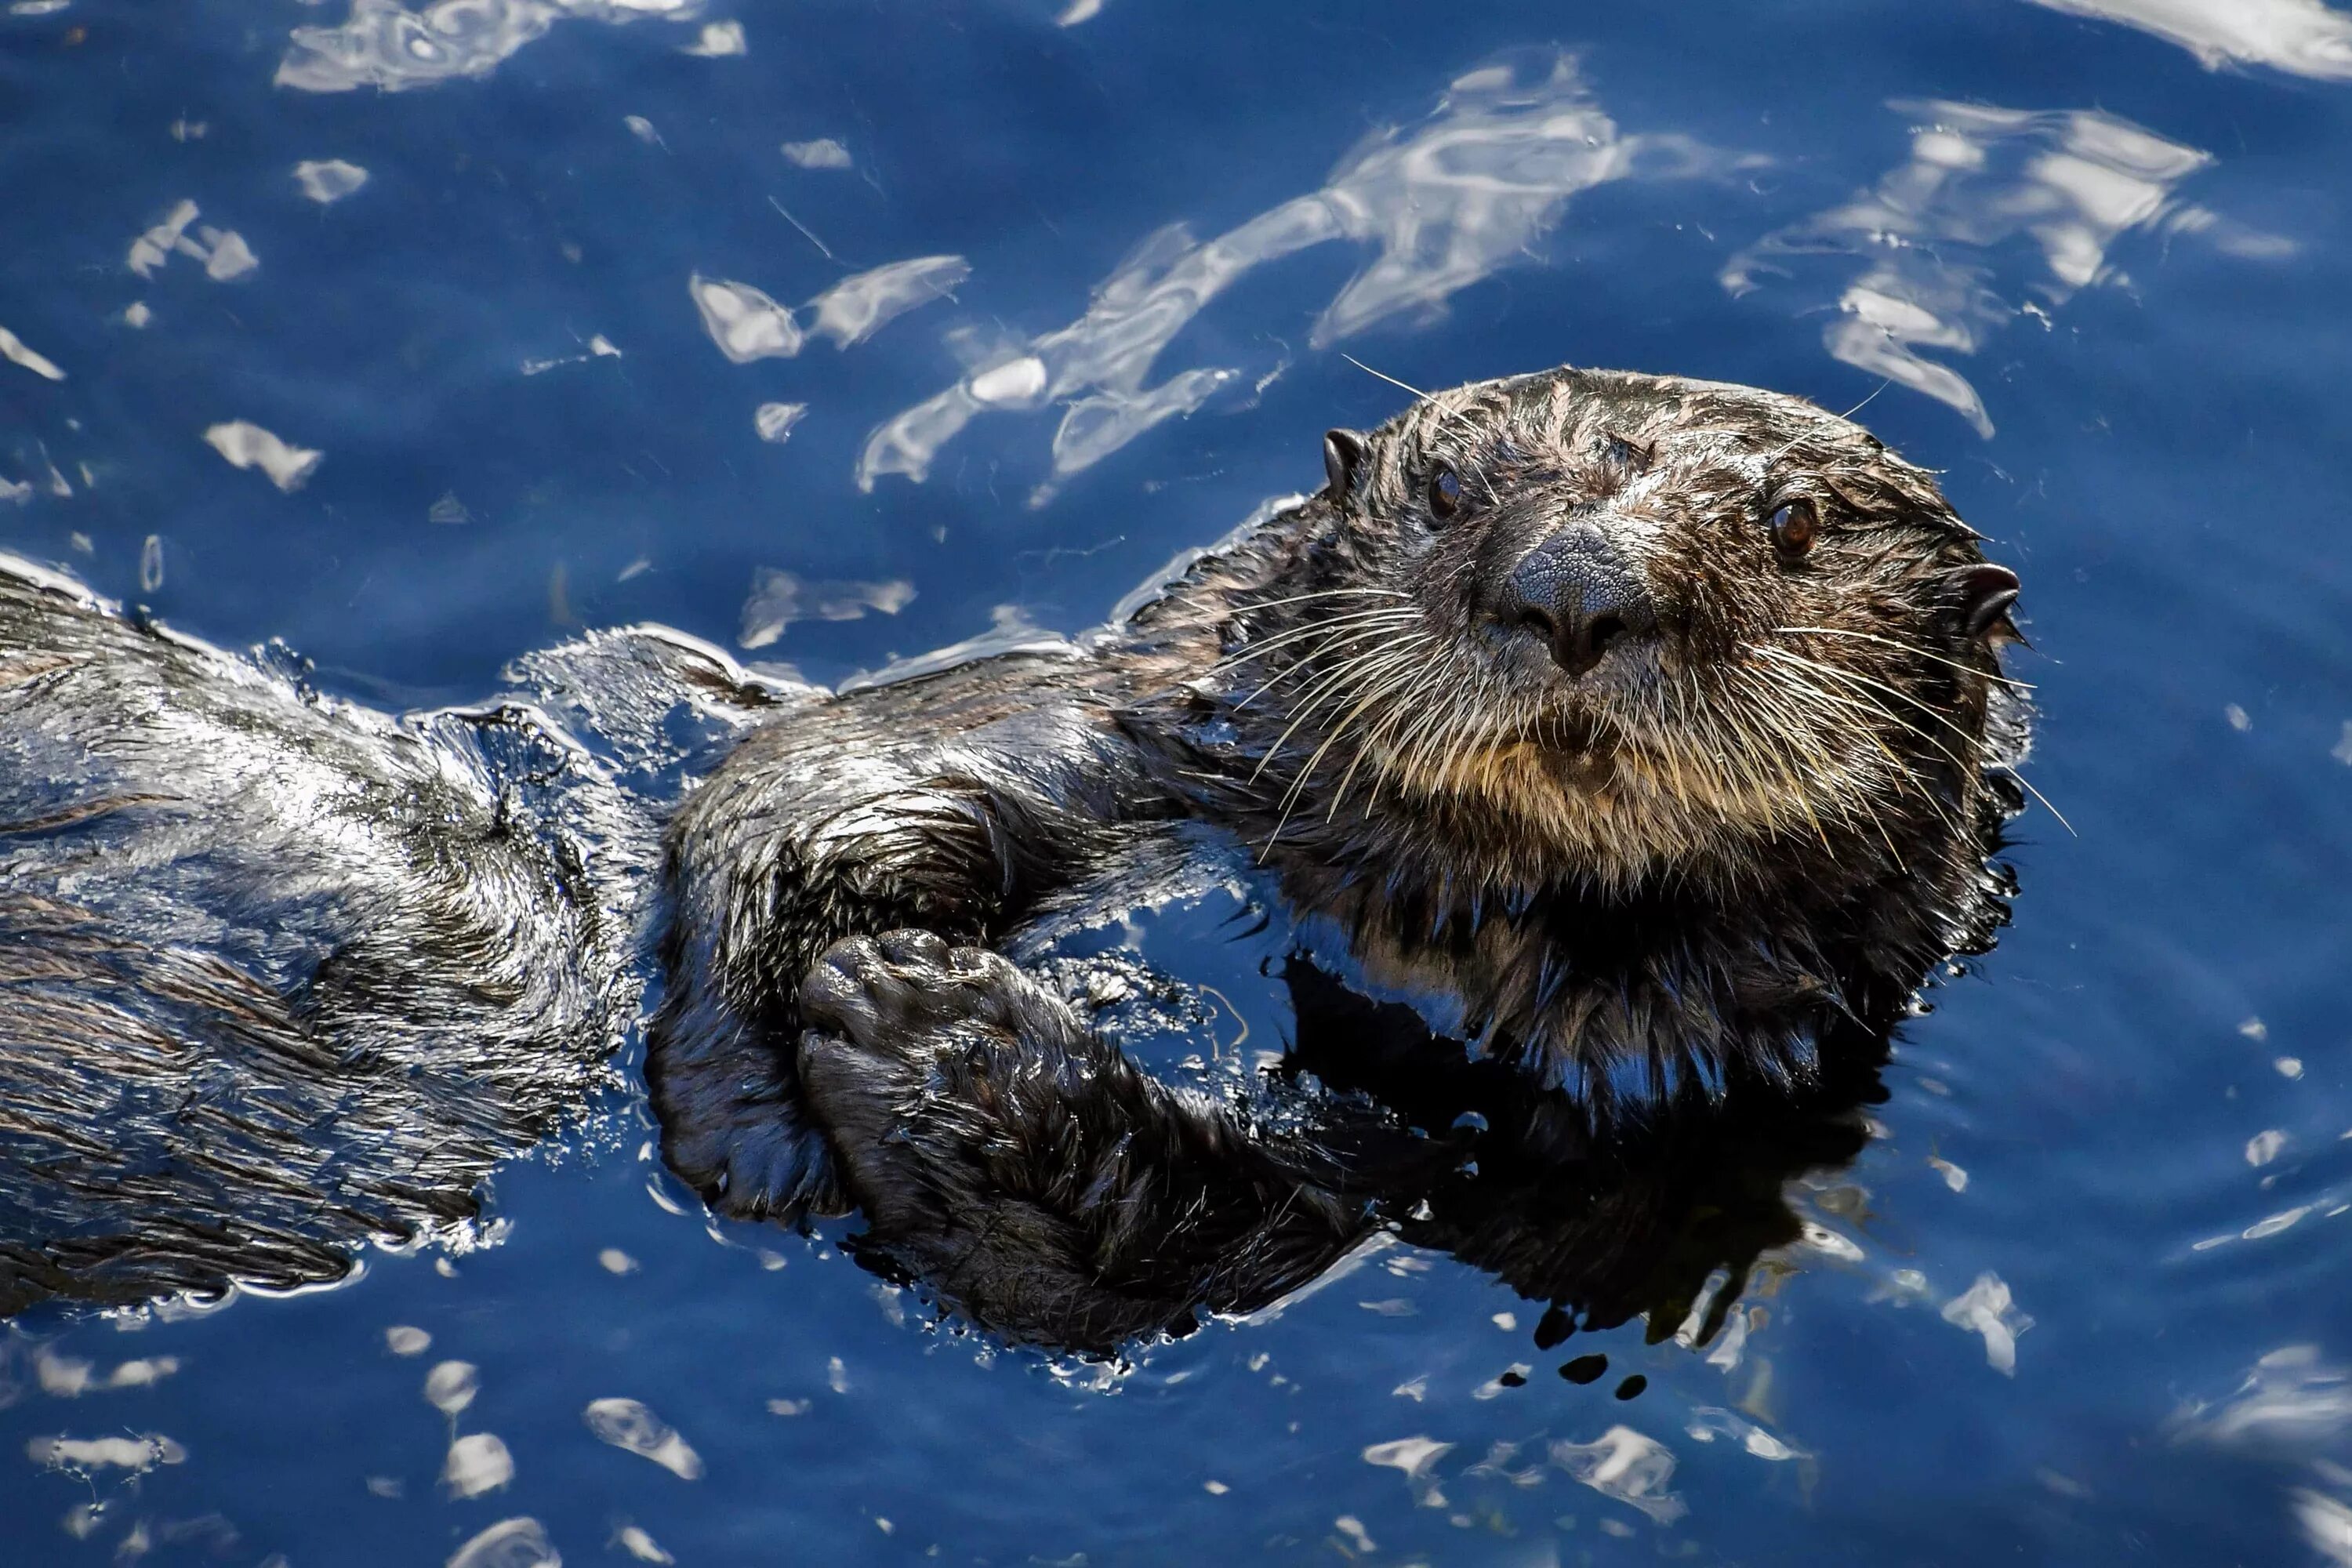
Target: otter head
{"points": [[1627, 629]]}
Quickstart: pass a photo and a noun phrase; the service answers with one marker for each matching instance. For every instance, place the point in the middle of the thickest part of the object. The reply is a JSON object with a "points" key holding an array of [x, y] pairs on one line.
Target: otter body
{"points": [[1649, 732], [1646, 735]]}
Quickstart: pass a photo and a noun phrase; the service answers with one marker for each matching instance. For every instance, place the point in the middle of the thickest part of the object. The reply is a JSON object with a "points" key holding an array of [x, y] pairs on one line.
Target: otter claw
{"points": [[914, 946]]}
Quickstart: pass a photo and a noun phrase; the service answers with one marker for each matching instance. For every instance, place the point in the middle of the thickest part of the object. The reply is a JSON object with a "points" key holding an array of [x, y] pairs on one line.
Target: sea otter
{"points": [[1648, 734], [1626, 751]]}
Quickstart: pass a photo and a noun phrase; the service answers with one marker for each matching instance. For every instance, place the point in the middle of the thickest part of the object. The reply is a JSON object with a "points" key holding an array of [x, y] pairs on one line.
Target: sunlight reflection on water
{"points": [[320, 330]]}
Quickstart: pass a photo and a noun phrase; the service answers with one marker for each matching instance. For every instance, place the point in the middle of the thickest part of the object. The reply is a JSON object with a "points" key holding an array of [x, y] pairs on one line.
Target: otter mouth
{"points": [[1568, 749], [1572, 733], [1581, 705], [1585, 764]]}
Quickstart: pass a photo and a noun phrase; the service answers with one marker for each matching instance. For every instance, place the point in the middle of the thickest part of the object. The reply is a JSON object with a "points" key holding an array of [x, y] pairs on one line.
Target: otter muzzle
{"points": [[1582, 593]]}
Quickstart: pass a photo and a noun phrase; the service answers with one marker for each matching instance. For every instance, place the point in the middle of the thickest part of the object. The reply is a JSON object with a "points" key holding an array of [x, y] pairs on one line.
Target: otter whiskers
{"points": [[1326, 593], [1329, 680], [1731, 731], [1397, 708], [1391, 683], [1864, 686], [1850, 703], [1352, 646], [1322, 690], [1832, 713], [1291, 796], [1257, 647], [1727, 752], [1375, 668], [1915, 650], [1306, 633], [1770, 725]]}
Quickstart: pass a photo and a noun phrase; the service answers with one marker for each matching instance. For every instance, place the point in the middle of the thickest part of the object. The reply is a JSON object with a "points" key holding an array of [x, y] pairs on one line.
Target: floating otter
{"points": [[1646, 735]]}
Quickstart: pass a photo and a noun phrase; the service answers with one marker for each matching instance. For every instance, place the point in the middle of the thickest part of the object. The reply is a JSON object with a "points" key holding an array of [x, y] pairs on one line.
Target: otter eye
{"points": [[1794, 525], [1444, 491]]}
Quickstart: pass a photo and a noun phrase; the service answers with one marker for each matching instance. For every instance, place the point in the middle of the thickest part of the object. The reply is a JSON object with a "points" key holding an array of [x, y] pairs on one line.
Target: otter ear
{"points": [[1985, 593], [1343, 457]]}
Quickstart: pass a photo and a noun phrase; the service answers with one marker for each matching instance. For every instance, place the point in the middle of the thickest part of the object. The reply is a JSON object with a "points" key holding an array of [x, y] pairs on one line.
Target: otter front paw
{"points": [[1000, 1152], [763, 1163], [921, 1061], [890, 992], [1027, 1168]]}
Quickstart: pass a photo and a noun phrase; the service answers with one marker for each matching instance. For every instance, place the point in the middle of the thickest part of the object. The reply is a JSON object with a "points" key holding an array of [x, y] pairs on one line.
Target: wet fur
{"points": [[1679, 883], [279, 974]]}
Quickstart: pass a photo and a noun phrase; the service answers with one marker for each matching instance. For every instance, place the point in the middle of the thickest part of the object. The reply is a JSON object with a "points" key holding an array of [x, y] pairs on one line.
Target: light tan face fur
{"points": [[1831, 696]]}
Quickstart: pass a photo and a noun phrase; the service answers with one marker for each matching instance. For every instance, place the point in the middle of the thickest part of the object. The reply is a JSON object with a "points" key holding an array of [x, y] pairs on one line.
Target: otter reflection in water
{"points": [[1645, 736]]}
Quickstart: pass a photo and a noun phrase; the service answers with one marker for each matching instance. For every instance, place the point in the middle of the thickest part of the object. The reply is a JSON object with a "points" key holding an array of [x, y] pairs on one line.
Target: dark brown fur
{"points": [[1682, 873], [279, 974]]}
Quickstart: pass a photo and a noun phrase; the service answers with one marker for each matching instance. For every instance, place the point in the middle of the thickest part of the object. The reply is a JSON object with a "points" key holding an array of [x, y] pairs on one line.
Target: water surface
{"points": [[835, 332]]}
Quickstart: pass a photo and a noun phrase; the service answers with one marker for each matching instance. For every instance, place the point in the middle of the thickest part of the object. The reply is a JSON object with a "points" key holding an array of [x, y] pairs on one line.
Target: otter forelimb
{"points": [[1029, 1172], [948, 804]]}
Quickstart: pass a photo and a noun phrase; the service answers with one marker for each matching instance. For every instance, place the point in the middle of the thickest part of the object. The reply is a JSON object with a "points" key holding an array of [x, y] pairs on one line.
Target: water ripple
{"points": [[1929, 237], [385, 44]]}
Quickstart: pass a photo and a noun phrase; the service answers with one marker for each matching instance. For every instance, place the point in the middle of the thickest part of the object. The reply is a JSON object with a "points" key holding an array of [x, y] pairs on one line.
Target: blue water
{"points": [[2080, 1300]]}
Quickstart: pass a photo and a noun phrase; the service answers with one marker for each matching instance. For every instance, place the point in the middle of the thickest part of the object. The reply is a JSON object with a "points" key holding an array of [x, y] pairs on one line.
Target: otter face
{"points": [[1650, 620]]}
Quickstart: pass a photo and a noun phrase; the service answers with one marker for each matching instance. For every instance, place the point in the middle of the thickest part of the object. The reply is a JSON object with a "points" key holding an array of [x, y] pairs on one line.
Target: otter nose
{"points": [[1582, 593]]}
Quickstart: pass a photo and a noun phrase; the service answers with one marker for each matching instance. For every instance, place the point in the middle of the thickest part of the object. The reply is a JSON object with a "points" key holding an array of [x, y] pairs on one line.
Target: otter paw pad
{"points": [[906, 992], [918, 1058], [903, 1027]]}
